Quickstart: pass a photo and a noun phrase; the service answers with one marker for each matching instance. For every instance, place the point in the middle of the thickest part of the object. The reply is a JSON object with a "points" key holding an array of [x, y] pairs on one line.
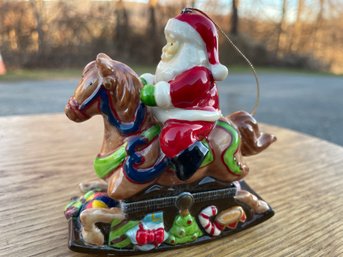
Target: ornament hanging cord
{"points": [[257, 101]]}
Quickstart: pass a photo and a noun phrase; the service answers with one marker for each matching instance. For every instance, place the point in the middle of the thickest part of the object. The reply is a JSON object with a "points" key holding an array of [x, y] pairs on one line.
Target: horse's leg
{"points": [[89, 217], [258, 206], [120, 187], [96, 185]]}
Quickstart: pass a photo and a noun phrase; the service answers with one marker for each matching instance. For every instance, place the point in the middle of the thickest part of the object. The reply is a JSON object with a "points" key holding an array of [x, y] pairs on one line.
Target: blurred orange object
{"points": [[2, 66]]}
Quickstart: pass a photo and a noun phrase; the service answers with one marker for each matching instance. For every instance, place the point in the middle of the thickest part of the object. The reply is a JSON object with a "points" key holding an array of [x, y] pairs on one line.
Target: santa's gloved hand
{"points": [[147, 95], [147, 78]]}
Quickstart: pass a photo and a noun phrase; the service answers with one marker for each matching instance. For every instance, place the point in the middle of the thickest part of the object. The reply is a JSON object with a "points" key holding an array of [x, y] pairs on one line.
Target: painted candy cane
{"points": [[211, 228], [228, 218]]}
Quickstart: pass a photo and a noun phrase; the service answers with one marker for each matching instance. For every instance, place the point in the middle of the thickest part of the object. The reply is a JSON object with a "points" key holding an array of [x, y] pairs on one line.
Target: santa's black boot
{"points": [[189, 161]]}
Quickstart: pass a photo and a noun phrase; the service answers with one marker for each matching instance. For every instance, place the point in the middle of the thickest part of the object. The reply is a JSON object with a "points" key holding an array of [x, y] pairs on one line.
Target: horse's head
{"points": [[107, 87]]}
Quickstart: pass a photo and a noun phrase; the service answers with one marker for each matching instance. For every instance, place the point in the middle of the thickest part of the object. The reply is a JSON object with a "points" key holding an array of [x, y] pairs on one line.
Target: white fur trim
{"points": [[149, 78], [219, 72], [181, 114], [185, 31], [162, 94]]}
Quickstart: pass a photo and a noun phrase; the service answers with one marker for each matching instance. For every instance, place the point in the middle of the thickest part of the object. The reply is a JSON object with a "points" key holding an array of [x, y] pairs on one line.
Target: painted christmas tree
{"points": [[185, 229]]}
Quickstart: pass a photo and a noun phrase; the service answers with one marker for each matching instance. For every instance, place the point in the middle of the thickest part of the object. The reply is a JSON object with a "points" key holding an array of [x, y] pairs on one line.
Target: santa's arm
{"points": [[156, 95], [187, 87]]}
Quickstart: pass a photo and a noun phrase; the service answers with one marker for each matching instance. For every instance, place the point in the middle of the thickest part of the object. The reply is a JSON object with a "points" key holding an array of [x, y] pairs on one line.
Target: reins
{"points": [[126, 128]]}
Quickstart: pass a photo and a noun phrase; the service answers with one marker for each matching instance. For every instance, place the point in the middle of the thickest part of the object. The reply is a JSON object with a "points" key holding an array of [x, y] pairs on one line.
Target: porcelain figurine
{"points": [[171, 164]]}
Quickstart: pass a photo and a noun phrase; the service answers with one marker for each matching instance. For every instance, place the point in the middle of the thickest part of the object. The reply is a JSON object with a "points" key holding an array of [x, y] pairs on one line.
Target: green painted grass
{"points": [[75, 73]]}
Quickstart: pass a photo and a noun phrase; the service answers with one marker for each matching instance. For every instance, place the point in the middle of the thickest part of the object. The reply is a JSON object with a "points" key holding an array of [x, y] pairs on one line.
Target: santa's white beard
{"points": [[187, 57]]}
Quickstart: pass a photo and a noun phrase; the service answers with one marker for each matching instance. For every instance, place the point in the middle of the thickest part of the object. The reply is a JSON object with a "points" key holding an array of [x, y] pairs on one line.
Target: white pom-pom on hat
{"points": [[219, 71]]}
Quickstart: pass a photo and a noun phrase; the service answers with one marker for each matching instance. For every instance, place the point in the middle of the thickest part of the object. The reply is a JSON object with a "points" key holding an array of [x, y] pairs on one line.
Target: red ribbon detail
{"points": [[149, 236]]}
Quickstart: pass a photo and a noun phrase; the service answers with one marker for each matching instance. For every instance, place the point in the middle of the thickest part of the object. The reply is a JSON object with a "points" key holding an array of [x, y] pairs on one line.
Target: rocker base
{"points": [[78, 245]]}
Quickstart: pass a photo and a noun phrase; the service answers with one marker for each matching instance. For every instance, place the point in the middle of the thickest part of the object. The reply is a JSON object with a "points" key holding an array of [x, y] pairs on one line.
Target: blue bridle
{"points": [[126, 128]]}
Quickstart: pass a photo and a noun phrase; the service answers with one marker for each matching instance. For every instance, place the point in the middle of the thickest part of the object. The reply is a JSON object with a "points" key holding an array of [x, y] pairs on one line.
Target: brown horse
{"points": [[112, 89]]}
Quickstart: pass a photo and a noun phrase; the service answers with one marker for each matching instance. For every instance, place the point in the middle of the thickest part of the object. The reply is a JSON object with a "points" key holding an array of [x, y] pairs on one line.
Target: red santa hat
{"points": [[197, 28]]}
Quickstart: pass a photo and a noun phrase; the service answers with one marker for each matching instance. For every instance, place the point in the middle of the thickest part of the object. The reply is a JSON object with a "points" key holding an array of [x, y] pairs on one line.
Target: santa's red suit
{"points": [[194, 97], [187, 105]]}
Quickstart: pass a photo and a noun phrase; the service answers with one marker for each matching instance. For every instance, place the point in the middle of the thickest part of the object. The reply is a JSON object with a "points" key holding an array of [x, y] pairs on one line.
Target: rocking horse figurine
{"points": [[171, 163]]}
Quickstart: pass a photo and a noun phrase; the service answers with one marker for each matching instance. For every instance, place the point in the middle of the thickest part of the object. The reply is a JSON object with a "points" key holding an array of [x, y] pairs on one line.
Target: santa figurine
{"points": [[183, 93]]}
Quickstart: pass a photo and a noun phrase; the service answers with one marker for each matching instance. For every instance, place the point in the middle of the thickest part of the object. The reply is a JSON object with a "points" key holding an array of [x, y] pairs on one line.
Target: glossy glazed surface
{"points": [[168, 135]]}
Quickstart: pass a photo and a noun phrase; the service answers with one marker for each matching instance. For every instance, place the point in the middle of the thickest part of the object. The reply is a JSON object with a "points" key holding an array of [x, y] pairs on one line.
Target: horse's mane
{"points": [[124, 92]]}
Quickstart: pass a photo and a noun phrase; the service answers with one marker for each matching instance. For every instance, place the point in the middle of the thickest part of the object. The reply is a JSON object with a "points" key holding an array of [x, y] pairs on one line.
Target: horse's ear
{"points": [[103, 62], [104, 65]]}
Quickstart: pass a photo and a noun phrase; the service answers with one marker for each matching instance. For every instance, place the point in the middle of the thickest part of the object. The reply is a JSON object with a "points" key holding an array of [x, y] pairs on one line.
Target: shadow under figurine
{"points": [[171, 163]]}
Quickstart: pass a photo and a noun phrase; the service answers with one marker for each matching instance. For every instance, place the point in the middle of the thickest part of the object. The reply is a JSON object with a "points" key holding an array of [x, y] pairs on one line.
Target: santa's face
{"points": [[171, 48], [179, 55]]}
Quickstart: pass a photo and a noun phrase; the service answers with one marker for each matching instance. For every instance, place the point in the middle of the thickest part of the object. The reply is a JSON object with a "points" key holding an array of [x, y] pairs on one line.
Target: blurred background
{"points": [[289, 33], [296, 45]]}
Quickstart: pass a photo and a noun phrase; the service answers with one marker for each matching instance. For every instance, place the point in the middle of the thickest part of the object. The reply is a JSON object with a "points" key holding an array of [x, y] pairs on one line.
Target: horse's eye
{"points": [[90, 83]]}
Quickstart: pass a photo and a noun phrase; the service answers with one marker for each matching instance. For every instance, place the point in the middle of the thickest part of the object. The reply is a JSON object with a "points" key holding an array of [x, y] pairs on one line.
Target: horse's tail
{"points": [[253, 141]]}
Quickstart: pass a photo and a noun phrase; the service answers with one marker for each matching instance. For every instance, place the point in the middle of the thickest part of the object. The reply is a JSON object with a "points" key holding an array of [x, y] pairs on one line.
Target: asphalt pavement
{"points": [[308, 103]]}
